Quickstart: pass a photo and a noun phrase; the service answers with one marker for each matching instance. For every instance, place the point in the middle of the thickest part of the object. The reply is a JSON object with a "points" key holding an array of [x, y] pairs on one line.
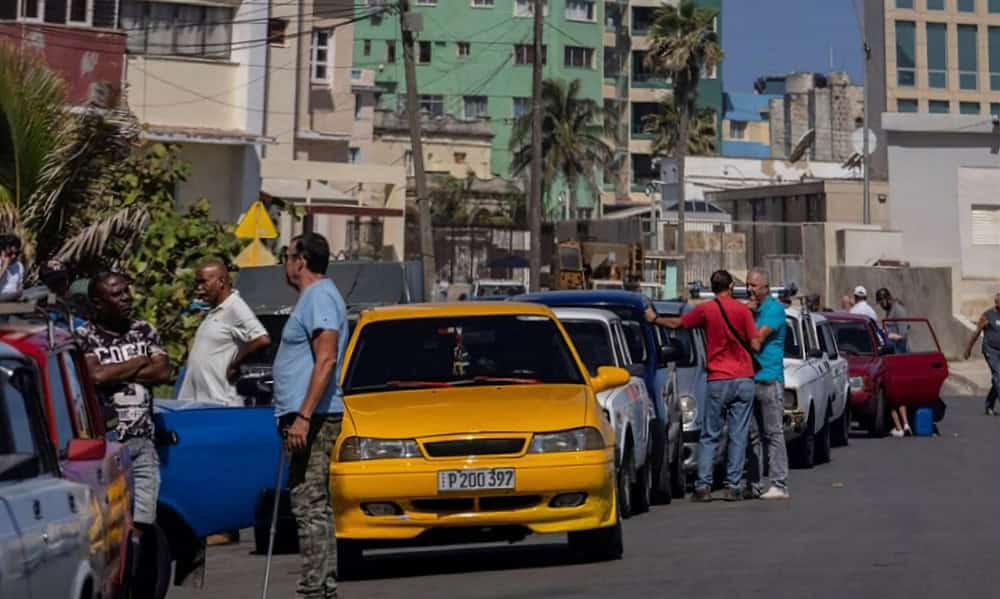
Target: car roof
{"points": [[606, 297], [597, 314], [674, 307], [502, 282], [411, 311], [846, 317]]}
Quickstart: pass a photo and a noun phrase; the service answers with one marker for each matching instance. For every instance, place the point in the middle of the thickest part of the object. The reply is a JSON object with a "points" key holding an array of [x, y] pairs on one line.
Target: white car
{"points": [[810, 391], [600, 340], [496, 289]]}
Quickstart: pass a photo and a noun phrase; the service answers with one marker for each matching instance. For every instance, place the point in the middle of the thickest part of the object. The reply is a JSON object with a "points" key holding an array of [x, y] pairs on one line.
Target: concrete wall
{"points": [[976, 186], [864, 247], [926, 291], [230, 194], [845, 202], [183, 92], [439, 155]]}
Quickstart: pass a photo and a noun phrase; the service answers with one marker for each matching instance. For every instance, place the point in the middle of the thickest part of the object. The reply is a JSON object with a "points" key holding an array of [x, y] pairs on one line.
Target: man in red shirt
{"points": [[730, 381]]}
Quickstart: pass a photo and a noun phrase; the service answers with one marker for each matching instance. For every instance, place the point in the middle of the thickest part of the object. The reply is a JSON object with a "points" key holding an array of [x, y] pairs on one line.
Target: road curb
{"points": [[964, 385]]}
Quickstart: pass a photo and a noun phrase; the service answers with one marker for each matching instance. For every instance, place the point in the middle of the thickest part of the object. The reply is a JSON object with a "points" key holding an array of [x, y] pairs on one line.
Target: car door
{"points": [[915, 378], [836, 363], [640, 407], [13, 566], [823, 383]]}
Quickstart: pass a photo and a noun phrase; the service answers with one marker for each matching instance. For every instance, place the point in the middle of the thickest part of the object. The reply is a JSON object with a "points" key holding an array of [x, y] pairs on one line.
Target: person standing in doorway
{"points": [[897, 332], [730, 331], [310, 408], [767, 423], [989, 327], [226, 337], [861, 305]]}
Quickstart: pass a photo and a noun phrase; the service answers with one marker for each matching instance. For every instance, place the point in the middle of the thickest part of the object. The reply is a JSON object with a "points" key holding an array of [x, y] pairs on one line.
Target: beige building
{"points": [[453, 146]]}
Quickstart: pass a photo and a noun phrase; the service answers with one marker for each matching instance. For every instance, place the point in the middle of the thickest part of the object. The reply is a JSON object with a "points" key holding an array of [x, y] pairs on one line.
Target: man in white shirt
{"points": [[228, 335], [861, 305]]}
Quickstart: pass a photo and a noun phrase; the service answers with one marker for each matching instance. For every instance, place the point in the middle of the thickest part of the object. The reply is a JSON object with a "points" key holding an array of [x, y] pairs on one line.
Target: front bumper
{"points": [[860, 400], [412, 485], [795, 423]]}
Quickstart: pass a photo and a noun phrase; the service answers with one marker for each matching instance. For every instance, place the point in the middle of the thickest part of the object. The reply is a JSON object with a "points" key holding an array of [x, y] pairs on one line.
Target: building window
{"points": [[80, 12], [995, 108], [522, 106], [994, 6], [32, 10], [985, 224], [390, 51], [906, 105], [968, 60], [354, 155], [906, 64], [579, 58], [476, 107], [968, 107], [525, 53], [937, 4], [464, 49], [482, 3], [939, 107], [580, 10], [159, 28], [737, 129], [424, 53], [367, 47], [459, 157], [937, 55], [322, 59], [994, 52], [432, 105], [276, 29], [904, 3], [526, 8], [966, 5]]}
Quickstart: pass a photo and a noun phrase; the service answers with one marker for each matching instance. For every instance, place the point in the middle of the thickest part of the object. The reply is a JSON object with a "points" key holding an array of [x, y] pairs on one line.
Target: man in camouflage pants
{"points": [[310, 409]]}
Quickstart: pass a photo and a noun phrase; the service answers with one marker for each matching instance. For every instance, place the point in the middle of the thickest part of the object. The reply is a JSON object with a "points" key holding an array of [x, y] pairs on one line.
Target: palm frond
{"points": [[124, 225]]}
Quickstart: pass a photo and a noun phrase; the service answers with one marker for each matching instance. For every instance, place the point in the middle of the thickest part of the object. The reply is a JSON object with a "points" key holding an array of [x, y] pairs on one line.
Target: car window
{"points": [[687, 339], [827, 343], [60, 405], [793, 340], [592, 342], [853, 338], [79, 401], [623, 345], [459, 351], [17, 389], [911, 337], [635, 340]]}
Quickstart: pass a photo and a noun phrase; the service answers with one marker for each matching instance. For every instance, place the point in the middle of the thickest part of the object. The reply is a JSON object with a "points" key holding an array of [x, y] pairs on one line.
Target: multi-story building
{"points": [[746, 125], [474, 60]]}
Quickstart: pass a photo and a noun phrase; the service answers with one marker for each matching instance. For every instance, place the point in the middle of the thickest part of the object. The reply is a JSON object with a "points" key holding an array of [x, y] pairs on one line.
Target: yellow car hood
{"points": [[508, 408]]}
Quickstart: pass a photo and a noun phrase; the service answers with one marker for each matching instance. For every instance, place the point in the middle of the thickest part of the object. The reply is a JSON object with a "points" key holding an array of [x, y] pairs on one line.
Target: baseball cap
{"points": [[860, 291]]}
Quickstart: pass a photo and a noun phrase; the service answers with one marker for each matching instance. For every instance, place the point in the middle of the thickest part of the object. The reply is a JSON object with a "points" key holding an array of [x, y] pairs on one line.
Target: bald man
{"points": [[229, 334]]}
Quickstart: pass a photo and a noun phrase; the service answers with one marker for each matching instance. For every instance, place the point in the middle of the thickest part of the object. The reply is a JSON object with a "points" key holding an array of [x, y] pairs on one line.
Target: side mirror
{"points": [[85, 450], [609, 377], [816, 354], [673, 351]]}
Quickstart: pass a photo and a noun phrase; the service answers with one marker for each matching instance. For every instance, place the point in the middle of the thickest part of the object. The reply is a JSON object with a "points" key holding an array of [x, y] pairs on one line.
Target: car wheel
{"points": [[349, 559], [642, 490], [678, 479], [152, 568], [598, 544], [661, 464], [842, 428], [877, 424], [802, 451], [823, 439], [624, 478]]}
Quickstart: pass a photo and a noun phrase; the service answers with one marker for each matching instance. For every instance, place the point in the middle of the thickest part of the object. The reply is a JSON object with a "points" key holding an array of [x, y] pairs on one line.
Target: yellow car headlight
{"points": [[357, 449], [577, 439]]}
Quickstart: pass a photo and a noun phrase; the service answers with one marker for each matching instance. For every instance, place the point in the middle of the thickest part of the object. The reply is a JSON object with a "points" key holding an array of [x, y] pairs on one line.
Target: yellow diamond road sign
{"points": [[256, 224], [255, 254]]}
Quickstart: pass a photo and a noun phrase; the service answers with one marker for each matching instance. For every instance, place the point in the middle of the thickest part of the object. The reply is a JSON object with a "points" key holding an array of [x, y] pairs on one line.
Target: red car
{"points": [[77, 427], [908, 370]]}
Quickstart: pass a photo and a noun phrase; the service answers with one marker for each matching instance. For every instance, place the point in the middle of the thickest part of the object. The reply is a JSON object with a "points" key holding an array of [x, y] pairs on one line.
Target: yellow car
{"points": [[470, 423]]}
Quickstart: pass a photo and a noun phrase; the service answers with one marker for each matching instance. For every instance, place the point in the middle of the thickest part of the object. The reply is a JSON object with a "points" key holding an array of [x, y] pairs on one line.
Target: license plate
{"points": [[476, 480]]}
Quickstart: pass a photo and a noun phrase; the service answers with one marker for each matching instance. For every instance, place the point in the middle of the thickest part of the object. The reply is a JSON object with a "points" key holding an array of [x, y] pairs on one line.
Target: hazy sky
{"points": [[778, 36]]}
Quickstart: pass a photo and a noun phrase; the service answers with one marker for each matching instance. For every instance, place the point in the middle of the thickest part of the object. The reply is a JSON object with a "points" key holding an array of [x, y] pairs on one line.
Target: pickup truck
{"points": [[810, 392], [653, 362], [51, 528], [881, 378], [77, 427], [599, 339]]}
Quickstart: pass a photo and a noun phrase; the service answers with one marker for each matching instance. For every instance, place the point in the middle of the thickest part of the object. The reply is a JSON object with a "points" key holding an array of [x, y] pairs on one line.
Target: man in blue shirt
{"points": [[310, 408], [769, 383]]}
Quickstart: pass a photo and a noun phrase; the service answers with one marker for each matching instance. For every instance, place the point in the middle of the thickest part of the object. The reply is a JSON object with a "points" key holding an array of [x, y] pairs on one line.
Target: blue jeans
{"points": [[993, 361], [729, 404]]}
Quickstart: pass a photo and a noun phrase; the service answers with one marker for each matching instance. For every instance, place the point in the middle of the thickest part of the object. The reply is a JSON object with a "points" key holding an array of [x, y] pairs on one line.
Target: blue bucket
{"points": [[924, 424]]}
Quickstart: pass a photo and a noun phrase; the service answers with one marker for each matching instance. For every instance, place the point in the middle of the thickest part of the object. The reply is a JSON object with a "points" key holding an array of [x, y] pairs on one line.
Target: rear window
{"points": [[460, 351], [592, 343], [853, 338]]}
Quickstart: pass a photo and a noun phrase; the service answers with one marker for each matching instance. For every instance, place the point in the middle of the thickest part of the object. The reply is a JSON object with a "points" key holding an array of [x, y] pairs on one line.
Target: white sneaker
{"points": [[775, 493], [897, 433]]}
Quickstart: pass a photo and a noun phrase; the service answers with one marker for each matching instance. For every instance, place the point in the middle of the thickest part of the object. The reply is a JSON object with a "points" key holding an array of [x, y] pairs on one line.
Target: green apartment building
{"points": [[474, 60]]}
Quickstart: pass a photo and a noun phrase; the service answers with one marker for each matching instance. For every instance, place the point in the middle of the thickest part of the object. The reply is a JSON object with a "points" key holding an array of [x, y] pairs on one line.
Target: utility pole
{"points": [[866, 159], [535, 192], [408, 24]]}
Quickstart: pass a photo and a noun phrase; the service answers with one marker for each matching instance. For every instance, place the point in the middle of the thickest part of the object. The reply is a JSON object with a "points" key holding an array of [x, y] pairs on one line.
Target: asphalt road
{"points": [[889, 517]]}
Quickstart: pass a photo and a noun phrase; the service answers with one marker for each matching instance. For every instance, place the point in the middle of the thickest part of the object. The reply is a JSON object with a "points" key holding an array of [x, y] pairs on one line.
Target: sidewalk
{"points": [[969, 377]]}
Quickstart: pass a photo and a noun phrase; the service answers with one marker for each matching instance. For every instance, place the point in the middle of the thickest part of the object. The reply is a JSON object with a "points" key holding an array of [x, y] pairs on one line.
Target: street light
{"points": [[725, 171]]}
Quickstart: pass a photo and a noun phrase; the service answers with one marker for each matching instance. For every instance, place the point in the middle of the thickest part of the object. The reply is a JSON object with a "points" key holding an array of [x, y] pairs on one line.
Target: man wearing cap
{"points": [[898, 332], [861, 305]]}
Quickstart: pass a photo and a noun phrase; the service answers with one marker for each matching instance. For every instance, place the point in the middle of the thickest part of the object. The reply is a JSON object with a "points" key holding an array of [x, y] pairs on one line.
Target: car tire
{"points": [[678, 478], [625, 479], [822, 451], [842, 428], [642, 491], [877, 426], [350, 558], [802, 451], [152, 567], [661, 464], [598, 544]]}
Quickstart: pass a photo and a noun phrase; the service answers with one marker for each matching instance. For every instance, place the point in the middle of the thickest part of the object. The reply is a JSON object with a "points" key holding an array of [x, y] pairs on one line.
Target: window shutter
{"points": [[985, 225]]}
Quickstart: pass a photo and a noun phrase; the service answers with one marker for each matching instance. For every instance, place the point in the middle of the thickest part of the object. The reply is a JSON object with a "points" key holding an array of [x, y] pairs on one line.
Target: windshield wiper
{"points": [[512, 380], [422, 384]]}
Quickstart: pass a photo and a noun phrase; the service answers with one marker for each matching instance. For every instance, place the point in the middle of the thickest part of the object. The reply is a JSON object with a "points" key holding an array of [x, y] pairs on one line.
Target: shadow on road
{"points": [[464, 560]]}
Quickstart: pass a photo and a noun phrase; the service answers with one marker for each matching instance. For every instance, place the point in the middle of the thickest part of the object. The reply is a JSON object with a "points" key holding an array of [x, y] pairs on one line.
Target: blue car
{"points": [[653, 359]]}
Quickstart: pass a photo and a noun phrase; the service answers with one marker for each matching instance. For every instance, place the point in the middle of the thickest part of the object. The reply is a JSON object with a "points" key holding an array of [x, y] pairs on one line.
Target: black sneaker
{"points": [[701, 495], [732, 494]]}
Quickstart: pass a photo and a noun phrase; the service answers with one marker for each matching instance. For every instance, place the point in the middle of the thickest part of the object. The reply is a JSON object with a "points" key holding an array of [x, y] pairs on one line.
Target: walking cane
{"points": [[274, 517]]}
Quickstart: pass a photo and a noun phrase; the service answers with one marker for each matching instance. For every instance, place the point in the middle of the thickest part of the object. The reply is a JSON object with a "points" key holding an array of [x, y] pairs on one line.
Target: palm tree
{"points": [[684, 45], [573, 139], [665, 125]]}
